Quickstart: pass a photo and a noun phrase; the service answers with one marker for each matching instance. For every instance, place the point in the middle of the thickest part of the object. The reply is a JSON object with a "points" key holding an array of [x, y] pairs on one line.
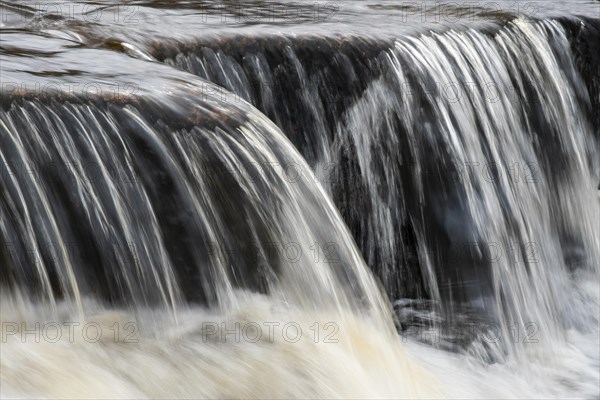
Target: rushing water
{"points": [[313, 200]]}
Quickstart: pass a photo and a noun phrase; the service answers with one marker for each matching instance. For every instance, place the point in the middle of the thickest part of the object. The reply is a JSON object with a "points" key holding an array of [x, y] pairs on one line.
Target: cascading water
{"points": [[149, 204], [532, 194], [169, 215]]}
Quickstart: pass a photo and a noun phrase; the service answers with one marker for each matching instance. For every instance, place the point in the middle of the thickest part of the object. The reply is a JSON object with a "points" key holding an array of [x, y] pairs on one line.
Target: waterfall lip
{"points": [[56, 69], [154, 18]]}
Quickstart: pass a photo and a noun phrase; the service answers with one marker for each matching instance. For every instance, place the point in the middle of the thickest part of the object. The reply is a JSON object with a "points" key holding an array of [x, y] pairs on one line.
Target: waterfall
{"points": [[152, 220], [477, 144], [504, 169], [267, 211], [217, 178]]}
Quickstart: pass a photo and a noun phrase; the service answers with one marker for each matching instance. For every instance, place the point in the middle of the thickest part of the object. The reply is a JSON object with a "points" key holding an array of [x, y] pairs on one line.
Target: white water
{"points": [[182, 362]]}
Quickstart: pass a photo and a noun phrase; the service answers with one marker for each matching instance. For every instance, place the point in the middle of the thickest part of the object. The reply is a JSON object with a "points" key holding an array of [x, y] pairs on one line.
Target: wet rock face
{"points": [[302, 84], [309, 86], [88, 184], [306, 85], [584, 34]]}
